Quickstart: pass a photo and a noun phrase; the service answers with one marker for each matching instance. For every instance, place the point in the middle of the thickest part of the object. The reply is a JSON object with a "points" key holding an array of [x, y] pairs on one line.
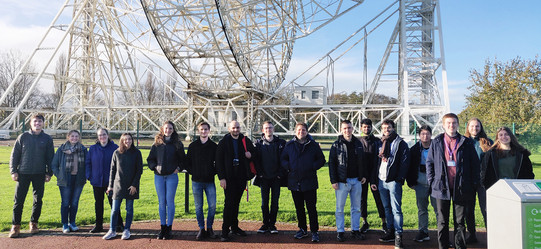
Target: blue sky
{"points": [[473, 32]]}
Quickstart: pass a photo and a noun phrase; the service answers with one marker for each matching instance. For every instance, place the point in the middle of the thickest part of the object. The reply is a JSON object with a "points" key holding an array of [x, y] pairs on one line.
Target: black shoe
{"points": [[97, 229], [273, 229], [365, 227], [422, 236], [263, 229], [341, 237], [388, 237], [384, 227], [301, 234], [472, 239], [119, 228], [451, 245], [358, 235], [315, 237], [398, 241], [225, 238], [211, 234], [239, 232], [162, 231], [167, 233], [201, 234]]}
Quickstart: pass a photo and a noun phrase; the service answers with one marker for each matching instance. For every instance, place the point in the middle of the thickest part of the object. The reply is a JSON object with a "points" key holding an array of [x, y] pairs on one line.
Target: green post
{"points": [[415, 133], [137, 136], [514, 129]]}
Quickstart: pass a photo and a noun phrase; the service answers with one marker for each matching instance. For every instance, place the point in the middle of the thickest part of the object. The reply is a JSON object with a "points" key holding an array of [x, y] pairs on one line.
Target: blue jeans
{"points": [[115, 213], [391, 196], [354, 188], [166, 188], [210, 191], [70, 195], [422, 196]]}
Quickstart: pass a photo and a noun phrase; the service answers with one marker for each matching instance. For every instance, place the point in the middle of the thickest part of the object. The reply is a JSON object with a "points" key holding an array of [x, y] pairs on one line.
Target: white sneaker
{"points": [[109, 235], [126, 234]]}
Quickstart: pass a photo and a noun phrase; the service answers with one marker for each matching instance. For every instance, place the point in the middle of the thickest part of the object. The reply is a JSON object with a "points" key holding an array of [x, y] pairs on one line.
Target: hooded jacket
{"points": [[98, 163], [200, 160], [489, 167], [467, 170], [338, 160], [302, 161]]}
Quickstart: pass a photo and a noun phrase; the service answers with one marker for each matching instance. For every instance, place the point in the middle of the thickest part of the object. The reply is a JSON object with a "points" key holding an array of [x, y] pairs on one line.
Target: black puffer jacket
{"points": [[168, 155], [338, 159], [489, 167], [32, 154], [200, 160]]}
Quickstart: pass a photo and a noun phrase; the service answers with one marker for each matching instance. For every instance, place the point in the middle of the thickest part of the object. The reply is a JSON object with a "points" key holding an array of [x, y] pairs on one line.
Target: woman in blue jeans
{"points": [[165, 159], [69, 168], [126, 170]]}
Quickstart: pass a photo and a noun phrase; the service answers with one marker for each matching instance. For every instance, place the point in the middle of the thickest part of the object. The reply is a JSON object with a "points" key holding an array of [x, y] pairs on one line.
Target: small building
{"points": [[310, 95]]}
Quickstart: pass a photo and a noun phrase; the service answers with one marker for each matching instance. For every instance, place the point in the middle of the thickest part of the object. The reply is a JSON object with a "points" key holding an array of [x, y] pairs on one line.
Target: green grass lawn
{"points": [[146, 208]]}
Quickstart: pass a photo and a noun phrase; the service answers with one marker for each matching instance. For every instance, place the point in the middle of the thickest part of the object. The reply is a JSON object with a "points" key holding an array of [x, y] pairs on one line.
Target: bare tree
{"points": [[10, 64]]}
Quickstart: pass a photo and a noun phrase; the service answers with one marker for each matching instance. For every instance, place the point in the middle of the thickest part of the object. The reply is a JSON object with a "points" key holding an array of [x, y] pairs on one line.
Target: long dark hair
{"points": [[515, 146], [484, 142], [160, 137], [122, 147]]}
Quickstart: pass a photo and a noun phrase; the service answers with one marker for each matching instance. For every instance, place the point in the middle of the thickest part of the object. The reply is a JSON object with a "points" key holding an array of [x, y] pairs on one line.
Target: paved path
{"points": [[144, 236]]}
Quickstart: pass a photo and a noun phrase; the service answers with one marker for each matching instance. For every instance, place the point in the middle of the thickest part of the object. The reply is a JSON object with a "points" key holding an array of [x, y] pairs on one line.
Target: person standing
{"points": [[371, 145], [268, 150], [30, 162], [301, 158], [200, 164], [476, 132], [417, 180], [165, 159], [506, 159], [126, 171], [390, 173], [452, 170], [347, 173], [69, 168], [98, 167], [232, 165]]}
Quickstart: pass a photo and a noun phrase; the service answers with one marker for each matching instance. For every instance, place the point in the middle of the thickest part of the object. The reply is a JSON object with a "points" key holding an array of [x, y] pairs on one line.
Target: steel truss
{"points": [[232, 57]]}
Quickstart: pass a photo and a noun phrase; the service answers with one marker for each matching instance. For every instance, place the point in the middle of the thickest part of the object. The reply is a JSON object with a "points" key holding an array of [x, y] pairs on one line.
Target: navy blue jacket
{"points": [[397, 164], [302, 161], [98, 163], [467, 170]]}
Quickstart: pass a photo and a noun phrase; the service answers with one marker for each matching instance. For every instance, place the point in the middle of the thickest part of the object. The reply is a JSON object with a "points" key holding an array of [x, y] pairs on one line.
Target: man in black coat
{"points": [[233, 166]]}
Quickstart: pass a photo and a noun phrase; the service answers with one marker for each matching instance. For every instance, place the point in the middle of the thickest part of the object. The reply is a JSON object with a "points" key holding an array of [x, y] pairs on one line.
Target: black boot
{"points": [[162, 231], [167, 234]]}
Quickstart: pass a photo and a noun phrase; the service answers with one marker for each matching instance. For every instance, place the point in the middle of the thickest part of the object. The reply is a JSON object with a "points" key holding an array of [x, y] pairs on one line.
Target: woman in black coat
{"points": [[126, 170]]}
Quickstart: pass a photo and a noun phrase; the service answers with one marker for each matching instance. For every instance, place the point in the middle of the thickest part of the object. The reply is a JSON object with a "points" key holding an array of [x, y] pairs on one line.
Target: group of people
{"points": [[449, 169]]}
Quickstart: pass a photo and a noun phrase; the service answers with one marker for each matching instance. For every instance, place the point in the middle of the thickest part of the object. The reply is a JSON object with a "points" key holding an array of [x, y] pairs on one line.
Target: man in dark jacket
{"points": [[200, 164], [30, 162], [452, 169], [233, 167], [301, 158], [347, 173], [391, 171], [269, 173], [417, 181], [371, 145]]}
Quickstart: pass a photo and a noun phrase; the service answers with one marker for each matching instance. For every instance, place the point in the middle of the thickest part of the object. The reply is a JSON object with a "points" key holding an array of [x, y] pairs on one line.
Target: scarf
{"points": [[72, 152], [385, 152]]}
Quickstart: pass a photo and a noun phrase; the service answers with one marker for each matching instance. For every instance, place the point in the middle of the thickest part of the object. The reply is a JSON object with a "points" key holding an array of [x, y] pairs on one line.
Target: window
{"points": [[315, 94], [303, 94]]}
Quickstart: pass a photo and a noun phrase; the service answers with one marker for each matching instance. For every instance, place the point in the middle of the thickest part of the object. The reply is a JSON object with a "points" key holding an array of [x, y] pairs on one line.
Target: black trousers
{"points": [[23, 184], [459, 215], [233, 193], [267, 186], [310, 198], [377, 199], [99, 193]]}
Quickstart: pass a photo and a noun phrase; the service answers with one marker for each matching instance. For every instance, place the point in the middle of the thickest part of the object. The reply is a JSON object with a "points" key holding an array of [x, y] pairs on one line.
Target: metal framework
{"points": [[232, 58]]}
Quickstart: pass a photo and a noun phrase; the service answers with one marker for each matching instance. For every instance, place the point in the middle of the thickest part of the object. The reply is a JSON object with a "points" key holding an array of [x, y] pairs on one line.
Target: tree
{"points": [[10, 64]]}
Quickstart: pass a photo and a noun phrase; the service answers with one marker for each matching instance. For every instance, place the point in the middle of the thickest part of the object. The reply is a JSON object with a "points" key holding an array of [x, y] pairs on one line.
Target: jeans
{"points": [[99, 192], [233, 193], [70, 195], [391, 196], [310, 198], [115, 211], [21, 189], [422, 196], [459, 215], [166, 188], [377, 200], [267, 186], [210, 191], [353, 187]]}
